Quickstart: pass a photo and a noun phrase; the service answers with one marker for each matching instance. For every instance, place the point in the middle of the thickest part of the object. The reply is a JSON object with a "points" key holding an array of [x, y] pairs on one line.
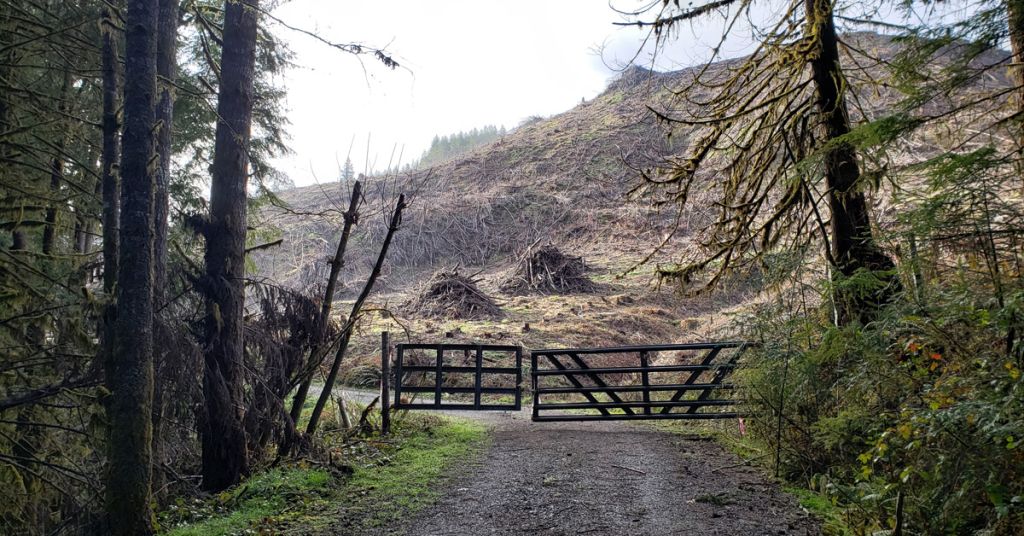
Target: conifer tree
{"points": [[348, 172], [129, 369], [225, 459]]}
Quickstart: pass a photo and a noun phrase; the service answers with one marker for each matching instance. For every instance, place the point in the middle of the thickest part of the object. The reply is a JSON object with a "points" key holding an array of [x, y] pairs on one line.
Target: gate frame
{"points": [[647, 405], [477, 370]]}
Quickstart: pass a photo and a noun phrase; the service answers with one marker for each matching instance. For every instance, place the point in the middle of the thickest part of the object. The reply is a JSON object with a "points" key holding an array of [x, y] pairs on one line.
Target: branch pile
{"points": [[449, 294], [548, 271]]}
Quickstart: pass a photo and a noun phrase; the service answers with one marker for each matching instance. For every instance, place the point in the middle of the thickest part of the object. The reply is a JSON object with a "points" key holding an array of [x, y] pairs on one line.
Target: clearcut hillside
{"points": [[563, 180]]}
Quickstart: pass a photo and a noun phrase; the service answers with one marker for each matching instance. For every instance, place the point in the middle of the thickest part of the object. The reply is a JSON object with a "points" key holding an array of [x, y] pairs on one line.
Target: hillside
{"points": [[562, 180], [557, 178]]}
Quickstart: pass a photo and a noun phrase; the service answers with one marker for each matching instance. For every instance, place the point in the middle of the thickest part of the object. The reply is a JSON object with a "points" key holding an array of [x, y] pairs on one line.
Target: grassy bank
{"points": [[370, 482]]}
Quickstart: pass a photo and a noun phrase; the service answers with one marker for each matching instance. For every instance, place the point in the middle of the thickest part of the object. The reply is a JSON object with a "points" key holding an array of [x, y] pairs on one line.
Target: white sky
{"points": [[465, 64], [470, 63]]}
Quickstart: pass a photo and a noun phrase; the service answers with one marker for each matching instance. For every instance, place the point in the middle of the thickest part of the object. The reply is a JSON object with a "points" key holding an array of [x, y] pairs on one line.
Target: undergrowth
{"points": [[409, 481], [366, 482], [913, 420], [264, 500], [832, 518]]}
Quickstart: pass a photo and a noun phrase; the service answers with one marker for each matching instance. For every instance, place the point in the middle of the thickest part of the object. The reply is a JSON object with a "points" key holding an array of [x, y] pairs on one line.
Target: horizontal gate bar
{"points": [[443, 405], [634, 349], [484, 347], [455, 369], [651, 404], [634, 388], [639, 417], [455, 390], [628, 370]]}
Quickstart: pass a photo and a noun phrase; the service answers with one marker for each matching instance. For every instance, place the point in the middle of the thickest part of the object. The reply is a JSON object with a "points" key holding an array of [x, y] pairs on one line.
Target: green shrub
{"points": [[923, 406]]}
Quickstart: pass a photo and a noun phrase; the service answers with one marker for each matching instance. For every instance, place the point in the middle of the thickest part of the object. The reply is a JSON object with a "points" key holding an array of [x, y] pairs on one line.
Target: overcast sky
{"points": [[465, 64]]}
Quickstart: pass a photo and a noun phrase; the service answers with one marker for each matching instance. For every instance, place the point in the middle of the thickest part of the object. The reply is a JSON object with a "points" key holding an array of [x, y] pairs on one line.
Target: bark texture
{"points": [[110, 184], [166, 67], [853, 246], [224, 454], [130, 366]]}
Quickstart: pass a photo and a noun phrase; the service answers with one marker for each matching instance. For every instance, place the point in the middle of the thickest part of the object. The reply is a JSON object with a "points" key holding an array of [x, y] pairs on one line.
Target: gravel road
{"points": [[602, 479]]}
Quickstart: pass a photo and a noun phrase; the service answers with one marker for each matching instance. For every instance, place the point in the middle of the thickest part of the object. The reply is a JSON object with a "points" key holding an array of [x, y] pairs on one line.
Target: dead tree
{"points": [[316, 354], [353, 317]]}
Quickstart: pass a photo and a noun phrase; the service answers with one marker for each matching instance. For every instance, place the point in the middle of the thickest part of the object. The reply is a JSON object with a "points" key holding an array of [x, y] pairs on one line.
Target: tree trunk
{"points": [[353, 316], [1015, 16], [56, 174], [130, 367], [224, 456], [166, 67], [25, 447], [8, 62], [853, 247], [109, 180], [85, 221]]}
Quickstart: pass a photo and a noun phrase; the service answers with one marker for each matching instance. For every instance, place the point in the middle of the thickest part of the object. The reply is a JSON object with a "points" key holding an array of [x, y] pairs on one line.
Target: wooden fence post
{"points": [[385, 379]]}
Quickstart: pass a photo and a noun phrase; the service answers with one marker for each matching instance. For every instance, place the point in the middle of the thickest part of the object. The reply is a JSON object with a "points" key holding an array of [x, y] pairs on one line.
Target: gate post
{"points": [[533, 384], [385, 379]]}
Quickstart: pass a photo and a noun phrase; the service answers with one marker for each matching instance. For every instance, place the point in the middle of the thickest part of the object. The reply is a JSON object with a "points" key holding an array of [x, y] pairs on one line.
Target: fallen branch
{"points": [[548, 271], [629, 469], [41, 393], [268, 245], [742, 463], [363, 423], [451, 295]]}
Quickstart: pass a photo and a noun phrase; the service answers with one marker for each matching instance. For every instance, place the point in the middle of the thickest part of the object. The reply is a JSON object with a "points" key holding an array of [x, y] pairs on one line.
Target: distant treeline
{"points": [[444, 147]]}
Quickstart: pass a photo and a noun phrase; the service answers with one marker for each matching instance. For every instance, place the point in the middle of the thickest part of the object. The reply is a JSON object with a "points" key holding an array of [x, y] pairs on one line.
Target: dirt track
{"points": [[603, 479]]}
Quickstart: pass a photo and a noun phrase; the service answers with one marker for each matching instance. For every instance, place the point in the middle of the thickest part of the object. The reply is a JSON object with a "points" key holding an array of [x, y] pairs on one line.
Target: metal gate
{"points": [[496, 372], [672, 381]]}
